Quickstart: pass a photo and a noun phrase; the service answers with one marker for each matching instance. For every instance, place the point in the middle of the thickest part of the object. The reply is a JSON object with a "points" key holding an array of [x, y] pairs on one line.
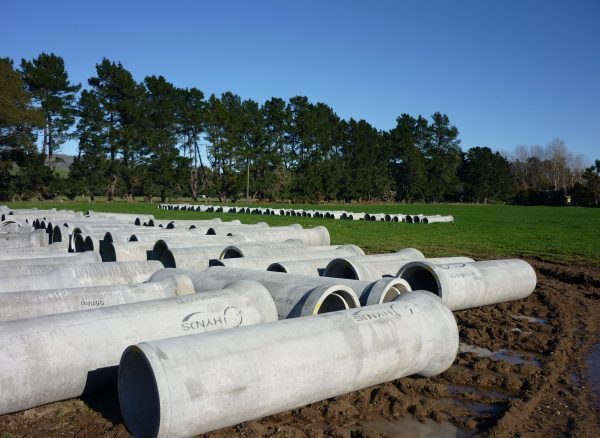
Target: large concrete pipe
{"points": [[467, 285], [161, 245], [313, 267], [178, 223], [353, 216], [86, 274], [371, 266], [311, 258], [274, 252], [59, 248], [126, 251], [136, 219], [225, 230], [42, 265], [437, 219], [301, 361], [79, 351], [316, 236], [34, 239], [293, 297], [152, 235], [33, 303], [198, 258]]}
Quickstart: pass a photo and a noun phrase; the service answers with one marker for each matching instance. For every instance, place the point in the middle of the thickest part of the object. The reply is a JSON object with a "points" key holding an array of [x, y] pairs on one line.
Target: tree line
{"points": [[152, 138]]}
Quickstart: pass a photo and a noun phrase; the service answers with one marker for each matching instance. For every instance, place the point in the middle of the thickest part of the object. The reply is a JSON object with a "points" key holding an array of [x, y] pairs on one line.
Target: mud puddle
{"points": [[410, 427], [510, 356], [593, 374]]}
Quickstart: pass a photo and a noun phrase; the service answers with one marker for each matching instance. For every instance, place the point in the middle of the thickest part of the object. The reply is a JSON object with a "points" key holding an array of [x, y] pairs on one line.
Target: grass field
{"points": [[560, 234]]}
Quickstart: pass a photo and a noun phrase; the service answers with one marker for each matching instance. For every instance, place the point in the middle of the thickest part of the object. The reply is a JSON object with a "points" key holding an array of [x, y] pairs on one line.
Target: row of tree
{"points": [[152, 138]]}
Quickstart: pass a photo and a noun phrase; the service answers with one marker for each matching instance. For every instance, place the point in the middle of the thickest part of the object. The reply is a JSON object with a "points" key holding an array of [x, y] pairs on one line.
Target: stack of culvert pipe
{"points": [[80, 351], [475, 284], [355, 349]]}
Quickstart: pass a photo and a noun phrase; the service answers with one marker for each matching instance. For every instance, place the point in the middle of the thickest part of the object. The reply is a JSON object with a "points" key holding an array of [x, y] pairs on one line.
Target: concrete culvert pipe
{"points": [[317, 236], [374, 267], [468, 285], [224, 229], [40, 266], [52, 258], [295, 252], [255, 249], [313, 267], [194, 258], [197, 242], [78, 352], [29, 304], [58, 249], [34, 239], [416, 334], [126, 251], [85, 274], [301, 263], [294, 296], [437, 219], [370, 267]]}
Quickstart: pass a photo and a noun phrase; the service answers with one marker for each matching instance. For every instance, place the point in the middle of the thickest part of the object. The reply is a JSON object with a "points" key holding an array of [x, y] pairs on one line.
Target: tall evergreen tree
{"points": [[191, 120], [48, 82], [443, 158], [18, 120], [163, 161], [486, 175], [121, 101]]}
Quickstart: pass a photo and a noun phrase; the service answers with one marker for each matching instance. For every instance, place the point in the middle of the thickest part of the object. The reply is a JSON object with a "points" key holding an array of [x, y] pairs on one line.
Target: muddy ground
{"points": [[526, 368]]}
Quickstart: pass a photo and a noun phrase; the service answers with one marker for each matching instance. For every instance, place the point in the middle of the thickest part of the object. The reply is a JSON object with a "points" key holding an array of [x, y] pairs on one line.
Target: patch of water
{"points": [[508, 355], [593, 373], [409, 426], [520, 317]]}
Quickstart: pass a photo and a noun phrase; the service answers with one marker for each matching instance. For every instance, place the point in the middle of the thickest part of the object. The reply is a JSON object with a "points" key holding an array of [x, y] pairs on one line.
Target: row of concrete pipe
{"points": [[326, 214], [277, 316]]}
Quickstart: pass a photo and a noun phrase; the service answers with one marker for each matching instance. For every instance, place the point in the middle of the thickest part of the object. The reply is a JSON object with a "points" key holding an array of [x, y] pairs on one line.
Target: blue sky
{"points": [[505, 72]]}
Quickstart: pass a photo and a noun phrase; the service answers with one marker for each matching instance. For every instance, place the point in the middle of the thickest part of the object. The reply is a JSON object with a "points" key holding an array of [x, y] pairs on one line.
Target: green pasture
{"points": [[561, 234]]}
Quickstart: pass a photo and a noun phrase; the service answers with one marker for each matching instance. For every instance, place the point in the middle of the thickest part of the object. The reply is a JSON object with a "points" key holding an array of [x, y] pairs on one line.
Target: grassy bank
{"points": [[561, 234]]}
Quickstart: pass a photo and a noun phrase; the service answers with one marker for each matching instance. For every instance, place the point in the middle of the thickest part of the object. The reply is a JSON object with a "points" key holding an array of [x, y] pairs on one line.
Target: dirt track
{"points": [[523, 371]]}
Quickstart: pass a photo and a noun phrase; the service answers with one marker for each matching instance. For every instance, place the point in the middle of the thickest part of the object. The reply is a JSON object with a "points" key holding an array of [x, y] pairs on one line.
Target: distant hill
{"points": [[62, 164]]}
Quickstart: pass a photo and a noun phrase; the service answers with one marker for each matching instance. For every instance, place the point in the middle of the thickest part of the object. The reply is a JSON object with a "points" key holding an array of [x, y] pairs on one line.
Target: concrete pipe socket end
{"points": [[325, 299], [108, 252], [138, 393], [421, 276], [231, 252], [168, 259], [88, 244], [80, 243], [273, 267], [158, 249], [384, 291], [342, 268]]}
